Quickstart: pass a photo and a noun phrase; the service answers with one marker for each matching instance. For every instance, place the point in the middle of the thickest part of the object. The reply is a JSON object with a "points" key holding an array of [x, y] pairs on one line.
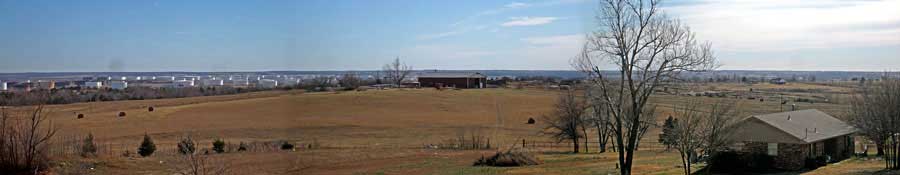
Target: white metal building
{"points": [[240, 82], [183, 83], [164, 78], [93, 84], [267, 83], [289, 82], [119, 85], [212, 82], [3, 86]]}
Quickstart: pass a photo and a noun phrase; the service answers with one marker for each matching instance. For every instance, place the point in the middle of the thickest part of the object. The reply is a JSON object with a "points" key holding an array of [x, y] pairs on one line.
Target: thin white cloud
{"points": [[513, 6], [528, 21], [556, 41], [785, 25], [450, 33], [510, 6], [516, 5]]}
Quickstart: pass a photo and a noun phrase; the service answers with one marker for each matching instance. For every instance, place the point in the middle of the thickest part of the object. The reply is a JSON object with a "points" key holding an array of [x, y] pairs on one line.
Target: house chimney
{"points": [[789, 117]]}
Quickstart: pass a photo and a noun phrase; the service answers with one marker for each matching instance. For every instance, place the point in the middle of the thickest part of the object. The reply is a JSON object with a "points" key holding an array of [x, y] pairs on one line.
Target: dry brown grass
{"points": [[367, 132]]}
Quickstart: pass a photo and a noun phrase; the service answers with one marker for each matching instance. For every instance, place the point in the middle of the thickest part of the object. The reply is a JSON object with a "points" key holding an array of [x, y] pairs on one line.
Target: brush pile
{"points": [[510, 158]]}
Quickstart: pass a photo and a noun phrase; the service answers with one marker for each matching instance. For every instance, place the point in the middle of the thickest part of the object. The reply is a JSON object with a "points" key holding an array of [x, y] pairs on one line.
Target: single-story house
{"points": [[793, 137], [452, 79]]}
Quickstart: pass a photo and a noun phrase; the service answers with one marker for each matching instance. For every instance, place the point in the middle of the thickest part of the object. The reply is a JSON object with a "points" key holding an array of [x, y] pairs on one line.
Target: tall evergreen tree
{"points": [[667, 137], [147, 146]]}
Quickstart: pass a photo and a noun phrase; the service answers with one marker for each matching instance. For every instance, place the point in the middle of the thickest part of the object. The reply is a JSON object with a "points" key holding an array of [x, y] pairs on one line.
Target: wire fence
{"points": [[70, 145], [590, 145]]}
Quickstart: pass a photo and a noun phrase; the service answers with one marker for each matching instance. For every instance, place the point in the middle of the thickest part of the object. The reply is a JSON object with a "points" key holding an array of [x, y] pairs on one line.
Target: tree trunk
{"points": [[684, 163], [575, 145], [586, 145], [896, 154], [880, 148], [600, 145]]}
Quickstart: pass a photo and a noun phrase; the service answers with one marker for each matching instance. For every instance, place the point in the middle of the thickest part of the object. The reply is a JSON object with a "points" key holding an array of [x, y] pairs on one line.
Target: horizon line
{"points": [[263, 71]]}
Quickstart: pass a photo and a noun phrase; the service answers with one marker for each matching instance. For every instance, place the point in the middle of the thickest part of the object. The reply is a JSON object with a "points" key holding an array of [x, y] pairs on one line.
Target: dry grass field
{"points": [[367, 132]]}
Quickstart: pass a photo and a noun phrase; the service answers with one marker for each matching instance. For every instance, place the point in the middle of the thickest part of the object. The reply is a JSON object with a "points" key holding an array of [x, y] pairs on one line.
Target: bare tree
{"points": [[687, 137], [191, 162], [718, 127], [876, 113], [566, 120], [599, 118], [318, 83], [350, 81], [700, 131], [396, 71], [647, 48], [24, 140]]}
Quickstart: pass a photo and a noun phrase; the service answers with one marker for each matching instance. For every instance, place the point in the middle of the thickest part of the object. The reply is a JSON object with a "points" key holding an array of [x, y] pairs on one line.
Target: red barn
{"points": [[453, 79]]}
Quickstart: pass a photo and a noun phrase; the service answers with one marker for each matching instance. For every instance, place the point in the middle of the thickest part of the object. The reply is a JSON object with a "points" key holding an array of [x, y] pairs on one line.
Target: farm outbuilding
{"points": [[453, 79], [93, 84], [267, 83], [792, 138], [183, 83], [118, 85]]}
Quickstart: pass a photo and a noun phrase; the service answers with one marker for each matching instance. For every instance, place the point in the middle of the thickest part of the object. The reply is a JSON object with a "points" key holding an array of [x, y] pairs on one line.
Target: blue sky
{"points": [[205, 35]]}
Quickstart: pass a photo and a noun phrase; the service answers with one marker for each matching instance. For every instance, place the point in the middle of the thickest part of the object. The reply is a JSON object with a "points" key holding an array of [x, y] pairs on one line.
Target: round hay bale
{"points": [[531, 121], [80, 116], [287, 146], [150, 109], [121, 114]]}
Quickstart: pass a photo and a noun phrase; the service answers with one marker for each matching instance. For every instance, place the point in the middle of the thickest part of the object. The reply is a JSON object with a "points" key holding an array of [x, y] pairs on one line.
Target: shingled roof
{"points": [[452, 75], [805, 126]]}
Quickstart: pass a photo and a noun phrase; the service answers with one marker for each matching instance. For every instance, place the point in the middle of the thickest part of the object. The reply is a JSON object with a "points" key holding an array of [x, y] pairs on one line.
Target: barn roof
{"points": [[452, 75], [808, 126]]}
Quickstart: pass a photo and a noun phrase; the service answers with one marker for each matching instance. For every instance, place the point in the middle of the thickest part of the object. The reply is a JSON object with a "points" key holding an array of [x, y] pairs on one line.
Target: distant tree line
{"points": [[67, 96]]}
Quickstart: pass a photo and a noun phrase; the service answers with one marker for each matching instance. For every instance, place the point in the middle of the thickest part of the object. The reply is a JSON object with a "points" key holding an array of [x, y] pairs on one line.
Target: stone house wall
{"points": [[790, 156]]}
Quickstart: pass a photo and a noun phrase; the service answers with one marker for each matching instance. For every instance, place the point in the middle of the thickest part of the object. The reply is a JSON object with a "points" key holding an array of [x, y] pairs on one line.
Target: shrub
{"points": [[219, 146], [147, 146], [760, 162], [80, 116], [287, 146], [726, 162], [121, 114], [88, 148], [187, 145], [242, 147], [734, 162], [508, 159]]}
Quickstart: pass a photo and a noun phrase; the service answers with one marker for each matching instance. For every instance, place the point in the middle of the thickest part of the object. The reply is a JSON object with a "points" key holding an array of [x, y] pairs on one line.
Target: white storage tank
{"points": [[119, 85], [267, 83], [93, 84], [183, 83], [240, 82], [213, 82]]}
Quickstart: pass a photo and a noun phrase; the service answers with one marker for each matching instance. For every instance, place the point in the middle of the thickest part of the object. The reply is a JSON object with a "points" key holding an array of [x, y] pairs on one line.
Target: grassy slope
{"points": [[369, 132]]}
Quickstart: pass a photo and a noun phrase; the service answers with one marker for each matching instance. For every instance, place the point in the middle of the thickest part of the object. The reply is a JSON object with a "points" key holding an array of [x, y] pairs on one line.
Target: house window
{"points": [[738, 146], [773, 149]]}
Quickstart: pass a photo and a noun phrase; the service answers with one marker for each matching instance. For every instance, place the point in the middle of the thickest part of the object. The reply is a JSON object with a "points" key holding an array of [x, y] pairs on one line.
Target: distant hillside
{"points": [[566, 74]]}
